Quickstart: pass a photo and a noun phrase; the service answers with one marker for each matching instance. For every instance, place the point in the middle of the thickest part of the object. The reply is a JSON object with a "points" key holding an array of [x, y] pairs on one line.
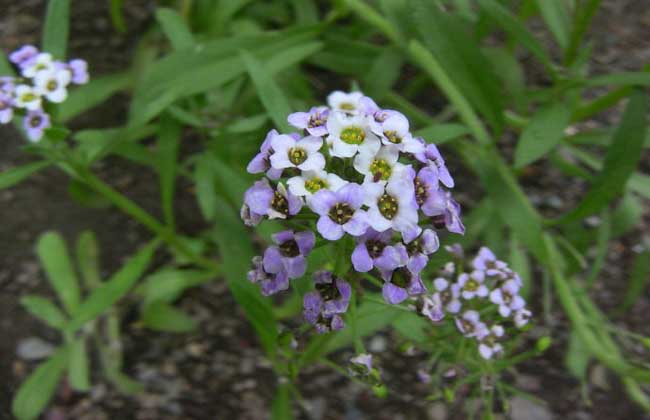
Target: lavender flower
{"points": [[302, 154], [522, 317], [487, 261], [422, 246], [431, 156], [273, 279], [35, 123], [262, 200], [371, 246], [472, 285], [447, 213], [22, 56], [427, 194], [508, 299], [489, 346], [290, 253], [323, 307], [470, 324], [314, 121], [260, 163], [340, 212], [401, 276], [79, 71], [6, 108]]}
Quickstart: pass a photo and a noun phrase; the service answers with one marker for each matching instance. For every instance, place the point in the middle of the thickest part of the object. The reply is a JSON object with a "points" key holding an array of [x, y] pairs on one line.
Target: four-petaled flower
{"points": [[340, 212], [290, 253], [302, 154], [314, 121]]}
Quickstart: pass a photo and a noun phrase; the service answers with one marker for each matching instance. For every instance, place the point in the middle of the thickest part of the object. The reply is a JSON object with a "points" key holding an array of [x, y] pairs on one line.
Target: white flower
{"points": [[392, 205], [302, 154], [522, 317], [449, 294], [394, 131], [349, 135], [309, 182], [382, 166], [53, 84], [28, 97], [42, 62], [489, 345], [470, 324], [345, 102], [472, 285]]}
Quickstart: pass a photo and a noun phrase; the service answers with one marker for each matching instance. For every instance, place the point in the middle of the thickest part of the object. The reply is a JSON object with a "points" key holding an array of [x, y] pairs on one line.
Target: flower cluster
{"points": [[355, 170], [42, 79], [486, 280]]}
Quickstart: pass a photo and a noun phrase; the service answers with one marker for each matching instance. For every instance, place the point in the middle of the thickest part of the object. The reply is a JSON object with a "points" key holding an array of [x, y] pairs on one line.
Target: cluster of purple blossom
{"points": [[356, 170], [488, 279], [42, 78]]}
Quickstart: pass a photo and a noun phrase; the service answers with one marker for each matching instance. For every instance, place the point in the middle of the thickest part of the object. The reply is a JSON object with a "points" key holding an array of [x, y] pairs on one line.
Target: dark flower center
{"points": [[316, 120], [439, 221], [353, 135], [393, 136], [380, 169], [341, 213], [445, 297], [315, 184], [297, 155], [421, 191], [35, 121], [3, 105], [375, 248], [380, 116], [388, 206], [289, 248], [280, 203], [468, 326], [401, 277], [414, 247], [507, 297], [328, 291]]}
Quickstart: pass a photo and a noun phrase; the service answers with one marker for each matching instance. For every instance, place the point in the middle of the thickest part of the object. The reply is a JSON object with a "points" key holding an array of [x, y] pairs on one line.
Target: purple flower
{"points": [[489, 346], [340, 212], [487, 261], [35, 123], [431, 155], [272, 279], [424, 245], [371, 246], [314, 121], [262, 200], [79, 71], [446, 213], [472, 285], [361, 364], [6, 108], [432, 307], [290, 252], [470, 324], [508, 299], [427, 191], [7, 85], [22, 56], [401, 275], [302, 154], [323, 307], [446, 298], [260, 163], [392, 205], [522, 317]]}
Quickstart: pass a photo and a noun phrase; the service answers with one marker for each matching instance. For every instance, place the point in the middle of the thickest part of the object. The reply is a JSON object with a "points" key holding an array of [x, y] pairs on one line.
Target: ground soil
{"points": [[219, 371]]}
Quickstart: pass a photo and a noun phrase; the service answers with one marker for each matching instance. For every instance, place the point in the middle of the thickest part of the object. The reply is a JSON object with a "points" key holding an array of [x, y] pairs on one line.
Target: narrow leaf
{"points": [[544, 131], [79, 366], [555, 15], [88, 259], [55, 30], [161, 316], [53, 254], [13, 176], [281, 408], [169, 138], [38, 389], [44, 310], [639, 280], [174, 28], [95, 92]]}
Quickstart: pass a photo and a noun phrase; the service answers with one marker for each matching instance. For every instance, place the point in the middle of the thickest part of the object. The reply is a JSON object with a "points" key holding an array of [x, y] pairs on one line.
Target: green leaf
{"points": [[237, 252], [169, 138], [175, 28], [442, 133], [306, 11], [5, 66], [106, 295], [161, 316], [13, 176], [169, 283], [384, 73], [620, 79], [639, 280], [272, 97], [517, 30], [205, 192], [53, 254], [544, 131], [577, 357], [38, 389], [620, 161], [95, 92], [44, 310], [521, 265], [79, 365], [602, 246], [281, 408], [88, 258], [117, 17], [86, 196], [55, 30], [556, 16], [446, 36]]}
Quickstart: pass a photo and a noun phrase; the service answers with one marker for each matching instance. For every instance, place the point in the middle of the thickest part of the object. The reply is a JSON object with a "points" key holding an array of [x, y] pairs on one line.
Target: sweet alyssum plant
{"points": [[354, 170]]}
